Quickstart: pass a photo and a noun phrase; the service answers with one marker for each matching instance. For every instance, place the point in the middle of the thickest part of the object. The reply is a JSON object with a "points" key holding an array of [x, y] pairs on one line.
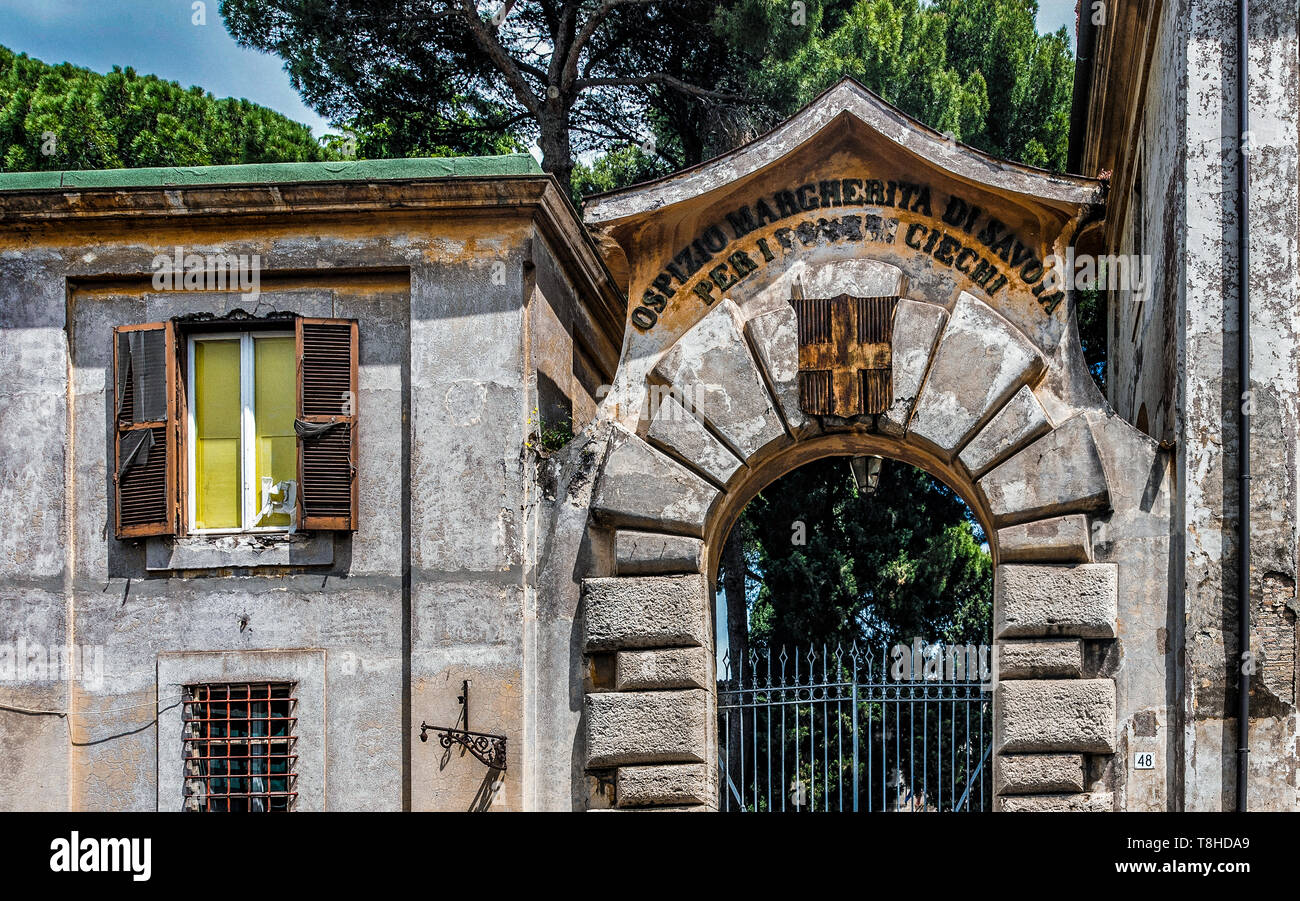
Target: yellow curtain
{"points": [[274, 405], [216, 432]]}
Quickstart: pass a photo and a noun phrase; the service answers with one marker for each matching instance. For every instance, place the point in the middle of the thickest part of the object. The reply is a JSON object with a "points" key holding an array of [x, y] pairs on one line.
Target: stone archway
{"points": [[964, 409], [989, 392]]}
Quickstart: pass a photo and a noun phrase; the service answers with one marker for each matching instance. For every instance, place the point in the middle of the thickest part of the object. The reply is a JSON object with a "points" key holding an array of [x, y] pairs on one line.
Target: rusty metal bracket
{"points": [[490, 749]]}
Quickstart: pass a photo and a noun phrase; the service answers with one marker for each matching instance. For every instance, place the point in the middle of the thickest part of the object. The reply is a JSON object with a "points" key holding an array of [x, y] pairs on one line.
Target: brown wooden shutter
{"points": [[146, 430], [327, 423]]}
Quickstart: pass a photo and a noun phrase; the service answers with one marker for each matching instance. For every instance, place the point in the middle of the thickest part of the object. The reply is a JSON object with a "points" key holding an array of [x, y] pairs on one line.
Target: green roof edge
{"points": [[268, 173]]}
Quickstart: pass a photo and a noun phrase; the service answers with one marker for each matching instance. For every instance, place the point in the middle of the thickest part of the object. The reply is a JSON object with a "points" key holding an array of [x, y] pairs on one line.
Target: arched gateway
{"points": [[855, 283]]}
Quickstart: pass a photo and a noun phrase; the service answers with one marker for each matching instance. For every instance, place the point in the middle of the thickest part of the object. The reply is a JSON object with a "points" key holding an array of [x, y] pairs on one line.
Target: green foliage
{"points": [[905, 561], [1090, 314], [576, 75], [619, 168], [546, 437], [977, 69], [66, 117]]}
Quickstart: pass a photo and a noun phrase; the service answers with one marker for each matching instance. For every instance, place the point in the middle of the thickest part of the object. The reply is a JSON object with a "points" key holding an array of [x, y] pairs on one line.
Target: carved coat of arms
{"points": [[845, 354]]}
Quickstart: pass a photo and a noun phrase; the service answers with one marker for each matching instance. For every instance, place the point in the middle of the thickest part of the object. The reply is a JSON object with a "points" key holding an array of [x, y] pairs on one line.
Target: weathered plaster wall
{"points": [[436, 586], [1207, 426], [1173, 371], [1142, 328]]}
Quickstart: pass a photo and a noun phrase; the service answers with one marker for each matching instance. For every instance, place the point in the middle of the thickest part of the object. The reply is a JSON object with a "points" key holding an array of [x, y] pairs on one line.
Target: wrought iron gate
{"points": [[828, 729]]}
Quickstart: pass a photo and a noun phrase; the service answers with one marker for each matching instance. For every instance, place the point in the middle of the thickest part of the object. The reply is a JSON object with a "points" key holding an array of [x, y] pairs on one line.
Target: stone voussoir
{"points": [[774, 336], [917, 327], [1034, 601], [636, 727], [645, 611], [1018, 423], [677, 430], [1059, 473], [981, 361], [641, 487], [712, 366]]}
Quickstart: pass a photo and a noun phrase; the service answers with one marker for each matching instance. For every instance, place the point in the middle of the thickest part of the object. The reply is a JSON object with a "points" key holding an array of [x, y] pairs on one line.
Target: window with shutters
{"points": [[235, 431], [243, 453]]}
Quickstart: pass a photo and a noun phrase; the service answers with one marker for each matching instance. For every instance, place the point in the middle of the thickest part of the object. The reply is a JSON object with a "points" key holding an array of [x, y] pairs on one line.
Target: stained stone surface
{"points": [[662, 668], [1019, 774], [1088, 802], [675, 427], [1059, 473], [712, 363], [1011, 428], [643, 487], [981, 361], [916, 328], [664, 784], [1060, 539], [654, 553], [647, 727], [1052, 658], [1056, 715], [775, 339], [645, 611], [1034, 601]]}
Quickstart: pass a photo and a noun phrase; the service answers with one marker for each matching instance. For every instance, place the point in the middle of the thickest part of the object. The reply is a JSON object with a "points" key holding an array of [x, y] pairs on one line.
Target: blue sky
{"points": [[157, 37]]}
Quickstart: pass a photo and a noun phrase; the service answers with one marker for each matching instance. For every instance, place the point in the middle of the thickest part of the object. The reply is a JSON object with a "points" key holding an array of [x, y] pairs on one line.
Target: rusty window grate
{"points": [[240, 746]]}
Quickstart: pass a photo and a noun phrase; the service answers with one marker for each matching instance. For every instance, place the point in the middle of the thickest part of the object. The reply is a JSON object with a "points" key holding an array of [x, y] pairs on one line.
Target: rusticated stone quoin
{"points": [[1061, 539], [653, 553], [1079, 600], [645, 611], [1019, 774], [1088, 802], [1055, 658], [660, 669], [1056, 715], [647, 727], [663, 784]]}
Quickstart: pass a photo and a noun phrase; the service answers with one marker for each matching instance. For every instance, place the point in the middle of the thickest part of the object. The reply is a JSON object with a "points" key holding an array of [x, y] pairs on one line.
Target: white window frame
{"points": [[247, 431]]}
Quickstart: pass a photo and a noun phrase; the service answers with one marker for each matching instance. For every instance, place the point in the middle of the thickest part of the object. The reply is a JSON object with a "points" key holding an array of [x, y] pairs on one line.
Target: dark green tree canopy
{"points": [[976, 69], [904, 562], [66, 117], [441, 76]]}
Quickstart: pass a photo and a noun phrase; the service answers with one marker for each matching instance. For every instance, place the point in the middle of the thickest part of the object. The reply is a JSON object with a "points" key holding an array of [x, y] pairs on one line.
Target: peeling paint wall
{"points": [[1175, 362], [437, 585]]}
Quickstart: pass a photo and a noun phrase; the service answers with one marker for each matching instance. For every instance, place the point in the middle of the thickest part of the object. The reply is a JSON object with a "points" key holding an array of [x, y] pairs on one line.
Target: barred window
{"points": [[240, 746]]}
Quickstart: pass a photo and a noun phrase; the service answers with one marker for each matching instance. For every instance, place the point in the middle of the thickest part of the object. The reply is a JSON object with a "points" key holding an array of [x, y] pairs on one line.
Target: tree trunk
{"points": [[733, 585], [557, 149]]}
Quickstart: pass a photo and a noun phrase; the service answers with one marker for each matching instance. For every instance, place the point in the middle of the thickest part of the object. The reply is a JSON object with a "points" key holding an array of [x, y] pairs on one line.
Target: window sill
{"points": [[239, 551]]}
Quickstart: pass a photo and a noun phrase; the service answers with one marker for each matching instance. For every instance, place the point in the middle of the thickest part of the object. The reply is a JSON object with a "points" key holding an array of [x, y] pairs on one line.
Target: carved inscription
{"points": [[965, 238]]}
